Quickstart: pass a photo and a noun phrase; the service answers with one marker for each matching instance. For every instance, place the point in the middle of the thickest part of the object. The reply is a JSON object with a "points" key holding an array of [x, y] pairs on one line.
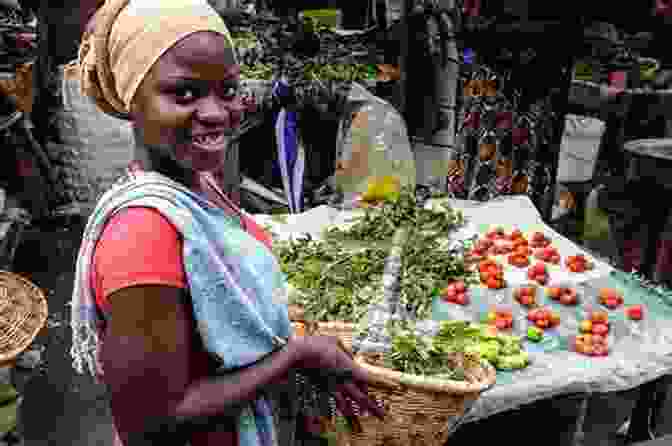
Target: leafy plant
{"points": [[331, 281], [442, 355], [380, 222]]}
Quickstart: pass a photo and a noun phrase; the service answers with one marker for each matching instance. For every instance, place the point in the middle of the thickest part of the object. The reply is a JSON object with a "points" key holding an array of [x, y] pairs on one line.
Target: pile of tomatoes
{"points": [[548, 254], [543, 318], [456, 293], [502, 319], [539, 240], [538, 273], [610, 298], [564, 295], [492, 274], [578, 264], [593, 338], [526, 296]]}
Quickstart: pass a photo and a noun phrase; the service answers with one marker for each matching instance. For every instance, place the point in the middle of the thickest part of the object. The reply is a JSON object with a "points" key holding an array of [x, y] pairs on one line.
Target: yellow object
{"points": [[129, 37], [382, 189], [586, 327]]}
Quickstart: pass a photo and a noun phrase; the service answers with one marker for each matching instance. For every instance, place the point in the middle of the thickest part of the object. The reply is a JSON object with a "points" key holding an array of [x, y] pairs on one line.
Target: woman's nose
{"points": [[215, 110]]}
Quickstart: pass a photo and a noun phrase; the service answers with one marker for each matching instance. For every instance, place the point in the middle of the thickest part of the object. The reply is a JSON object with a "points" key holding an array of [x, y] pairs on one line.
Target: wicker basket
{"points": [[23, 313], [341, 330], [419, 410]]}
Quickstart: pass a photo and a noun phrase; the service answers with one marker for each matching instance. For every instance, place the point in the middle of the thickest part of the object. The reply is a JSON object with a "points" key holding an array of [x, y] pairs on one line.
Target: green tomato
{"points": [[513, 362], [535, 334], [488, 350]]}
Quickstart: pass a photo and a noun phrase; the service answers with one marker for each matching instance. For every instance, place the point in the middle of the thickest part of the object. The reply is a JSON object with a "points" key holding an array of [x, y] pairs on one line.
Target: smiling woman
{"points": [[177, 296]]}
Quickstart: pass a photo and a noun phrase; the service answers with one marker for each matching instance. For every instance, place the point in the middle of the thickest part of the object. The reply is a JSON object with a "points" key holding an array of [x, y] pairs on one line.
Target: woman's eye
{"points": [[185, 94], [230, 92]]}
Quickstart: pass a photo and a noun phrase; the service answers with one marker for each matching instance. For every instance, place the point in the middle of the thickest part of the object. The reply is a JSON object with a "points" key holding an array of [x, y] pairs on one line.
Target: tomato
{"points": [[541, 279], [555, 259], [600, 350], [539, 268], [635, 312], [600, 329], [554, 319], [461, 299], [492, 283], [611, 303], [460, 287], [542, 323], [501, 324], [567, 299], [599, 339]]}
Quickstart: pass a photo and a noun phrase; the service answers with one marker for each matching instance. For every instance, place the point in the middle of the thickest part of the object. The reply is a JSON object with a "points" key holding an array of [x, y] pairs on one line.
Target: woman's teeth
{"points": [[209, 140]]}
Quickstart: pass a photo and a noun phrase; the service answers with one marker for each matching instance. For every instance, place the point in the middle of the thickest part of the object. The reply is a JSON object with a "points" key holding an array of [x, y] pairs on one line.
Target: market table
{"points": [[641, 352]]}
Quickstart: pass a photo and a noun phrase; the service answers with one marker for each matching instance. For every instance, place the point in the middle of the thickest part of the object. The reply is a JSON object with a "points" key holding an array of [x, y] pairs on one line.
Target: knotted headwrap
{"points": [[129, 37]]}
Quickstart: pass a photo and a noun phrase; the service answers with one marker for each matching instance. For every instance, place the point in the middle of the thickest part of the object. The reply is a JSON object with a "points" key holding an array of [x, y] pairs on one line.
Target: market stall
{"points": [[631, 322]]}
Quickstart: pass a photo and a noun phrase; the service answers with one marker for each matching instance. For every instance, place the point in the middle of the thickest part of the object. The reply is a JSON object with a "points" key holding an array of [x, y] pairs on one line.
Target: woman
{"points": [[165, 250]]}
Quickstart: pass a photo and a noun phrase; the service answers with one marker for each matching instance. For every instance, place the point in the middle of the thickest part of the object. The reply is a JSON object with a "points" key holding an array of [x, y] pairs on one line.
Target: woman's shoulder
{"points": [[133, 222]]}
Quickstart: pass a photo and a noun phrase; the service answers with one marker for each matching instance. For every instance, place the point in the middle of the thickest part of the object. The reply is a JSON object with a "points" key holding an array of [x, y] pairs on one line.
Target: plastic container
{"points": [[431, 164], [579, 149]]}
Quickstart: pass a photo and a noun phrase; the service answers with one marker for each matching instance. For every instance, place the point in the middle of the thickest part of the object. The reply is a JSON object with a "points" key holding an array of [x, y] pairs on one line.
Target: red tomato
{"points": [[599, 339], [567, 299], [635, 312], [501, 324], [542, 323], [600, 329], [461, 299], [460, 287], [492, 283], [611, 303]]}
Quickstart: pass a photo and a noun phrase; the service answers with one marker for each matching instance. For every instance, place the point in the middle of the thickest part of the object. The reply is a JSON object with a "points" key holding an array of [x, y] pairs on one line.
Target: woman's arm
{"points": [[148, 349]]}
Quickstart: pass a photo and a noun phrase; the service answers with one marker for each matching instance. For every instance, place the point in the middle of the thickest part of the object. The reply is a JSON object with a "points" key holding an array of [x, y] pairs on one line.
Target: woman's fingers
{"points": [[365, 403], [341, 405]]}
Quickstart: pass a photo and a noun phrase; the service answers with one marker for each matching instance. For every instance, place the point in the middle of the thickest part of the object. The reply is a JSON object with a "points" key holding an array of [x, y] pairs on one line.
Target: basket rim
{"points": [[392, 378], [37, 292]]}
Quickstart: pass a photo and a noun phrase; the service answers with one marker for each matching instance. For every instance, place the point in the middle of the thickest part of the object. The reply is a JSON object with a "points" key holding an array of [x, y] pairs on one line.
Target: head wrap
{"points": [[129, 37]]}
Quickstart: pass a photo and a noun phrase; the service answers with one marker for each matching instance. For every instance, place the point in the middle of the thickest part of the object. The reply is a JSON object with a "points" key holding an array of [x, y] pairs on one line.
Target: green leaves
{"points": [[331, 278]]}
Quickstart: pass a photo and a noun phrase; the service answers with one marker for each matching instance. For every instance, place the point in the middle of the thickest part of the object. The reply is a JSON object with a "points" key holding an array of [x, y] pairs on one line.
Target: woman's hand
{"points": [[326, 353]]}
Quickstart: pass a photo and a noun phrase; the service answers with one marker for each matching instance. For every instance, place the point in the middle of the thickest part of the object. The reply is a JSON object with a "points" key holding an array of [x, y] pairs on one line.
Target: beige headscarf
{"points": [[129, 37]]}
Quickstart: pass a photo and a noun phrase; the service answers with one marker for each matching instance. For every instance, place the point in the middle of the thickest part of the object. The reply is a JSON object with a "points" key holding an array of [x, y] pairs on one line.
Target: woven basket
{"points": [[341, 330], [419, 410], [23, 313]]}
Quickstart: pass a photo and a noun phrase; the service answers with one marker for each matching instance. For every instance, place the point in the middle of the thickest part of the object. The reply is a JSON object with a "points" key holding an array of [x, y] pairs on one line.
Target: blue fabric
{"points": [[237, 289], [290, 167]]}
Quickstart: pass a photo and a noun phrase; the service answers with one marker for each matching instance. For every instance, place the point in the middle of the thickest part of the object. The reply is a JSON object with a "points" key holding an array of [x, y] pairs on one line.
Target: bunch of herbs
{"points": [[329, 278], [380, 222], [442, 355]]}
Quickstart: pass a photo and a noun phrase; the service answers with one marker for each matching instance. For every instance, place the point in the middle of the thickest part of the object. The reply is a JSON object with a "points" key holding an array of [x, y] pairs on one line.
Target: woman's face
{"points": [[187, 107]]}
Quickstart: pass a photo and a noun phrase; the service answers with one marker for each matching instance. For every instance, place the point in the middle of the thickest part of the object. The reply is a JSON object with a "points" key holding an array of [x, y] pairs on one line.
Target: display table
{"points": [[641, 352]]}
